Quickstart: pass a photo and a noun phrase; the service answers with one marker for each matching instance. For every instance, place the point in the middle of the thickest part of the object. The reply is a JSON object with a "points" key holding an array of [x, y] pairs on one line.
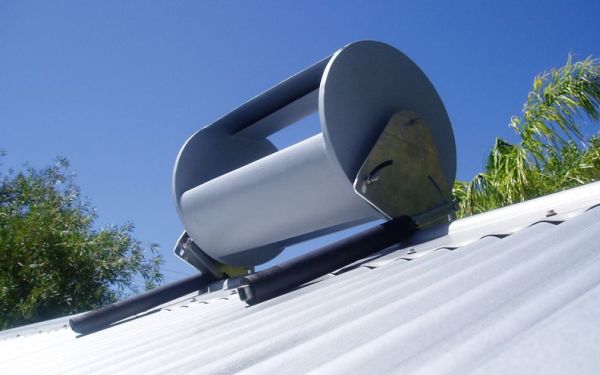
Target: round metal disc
{"points": [[364, 84]]}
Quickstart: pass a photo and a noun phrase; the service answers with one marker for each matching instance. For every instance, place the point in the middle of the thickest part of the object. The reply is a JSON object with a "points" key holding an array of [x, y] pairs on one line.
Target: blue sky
{"points": [[117, 87]]}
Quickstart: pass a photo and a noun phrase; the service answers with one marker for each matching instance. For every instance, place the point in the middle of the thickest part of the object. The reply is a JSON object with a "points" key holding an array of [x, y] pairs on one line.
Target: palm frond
{"points": [[559, 100], [553, 153]]}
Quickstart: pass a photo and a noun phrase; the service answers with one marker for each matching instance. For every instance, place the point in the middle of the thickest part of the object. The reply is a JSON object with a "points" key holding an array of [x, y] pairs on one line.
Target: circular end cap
{"points": [[364, 84]]}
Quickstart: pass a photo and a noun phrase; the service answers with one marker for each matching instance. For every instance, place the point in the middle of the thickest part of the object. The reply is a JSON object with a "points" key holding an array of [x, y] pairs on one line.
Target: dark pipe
{"points": [[282, 278], [101, 318]]}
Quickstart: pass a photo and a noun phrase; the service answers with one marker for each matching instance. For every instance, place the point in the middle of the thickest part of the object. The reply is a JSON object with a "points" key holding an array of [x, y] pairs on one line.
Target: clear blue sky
{"points": [[118, 86]]}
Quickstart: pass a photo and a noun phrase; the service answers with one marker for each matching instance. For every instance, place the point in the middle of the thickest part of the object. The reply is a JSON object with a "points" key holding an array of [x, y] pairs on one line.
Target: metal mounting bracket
{"points": [[189, 252], [405, 162]]}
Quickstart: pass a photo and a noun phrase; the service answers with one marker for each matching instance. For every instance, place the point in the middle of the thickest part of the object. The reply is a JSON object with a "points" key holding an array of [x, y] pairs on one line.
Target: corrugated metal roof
{"points": [[528, 302]]}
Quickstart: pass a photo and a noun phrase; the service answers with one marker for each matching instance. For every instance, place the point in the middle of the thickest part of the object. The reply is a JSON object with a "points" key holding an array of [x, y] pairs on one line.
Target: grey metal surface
{"points": [[278, 197], [523, 302], [364, 85], [229, 176]]}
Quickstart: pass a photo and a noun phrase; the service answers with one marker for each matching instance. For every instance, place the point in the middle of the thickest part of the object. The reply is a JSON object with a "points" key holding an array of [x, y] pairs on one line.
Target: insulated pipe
{"points": [[277, 280], [103, 317]]}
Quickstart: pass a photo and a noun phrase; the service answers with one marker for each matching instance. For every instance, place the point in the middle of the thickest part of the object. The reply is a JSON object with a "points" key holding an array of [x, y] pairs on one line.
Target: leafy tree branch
{"points": [[52, 260]]}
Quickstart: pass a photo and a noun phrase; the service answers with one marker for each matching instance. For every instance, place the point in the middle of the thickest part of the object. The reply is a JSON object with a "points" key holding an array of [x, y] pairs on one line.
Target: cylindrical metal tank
{"points": [[242, 201]]}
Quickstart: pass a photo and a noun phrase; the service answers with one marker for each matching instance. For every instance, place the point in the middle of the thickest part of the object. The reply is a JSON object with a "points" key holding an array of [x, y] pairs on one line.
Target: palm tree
{"points": [[553, 154]]}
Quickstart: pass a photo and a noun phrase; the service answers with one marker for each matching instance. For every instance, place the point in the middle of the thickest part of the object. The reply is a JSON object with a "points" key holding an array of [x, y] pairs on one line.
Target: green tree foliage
{"points": [[552, 154], [52, 260]]}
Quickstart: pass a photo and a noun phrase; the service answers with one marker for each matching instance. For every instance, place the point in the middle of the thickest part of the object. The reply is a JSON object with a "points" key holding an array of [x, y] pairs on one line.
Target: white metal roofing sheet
{"points": [[525, 303]]}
